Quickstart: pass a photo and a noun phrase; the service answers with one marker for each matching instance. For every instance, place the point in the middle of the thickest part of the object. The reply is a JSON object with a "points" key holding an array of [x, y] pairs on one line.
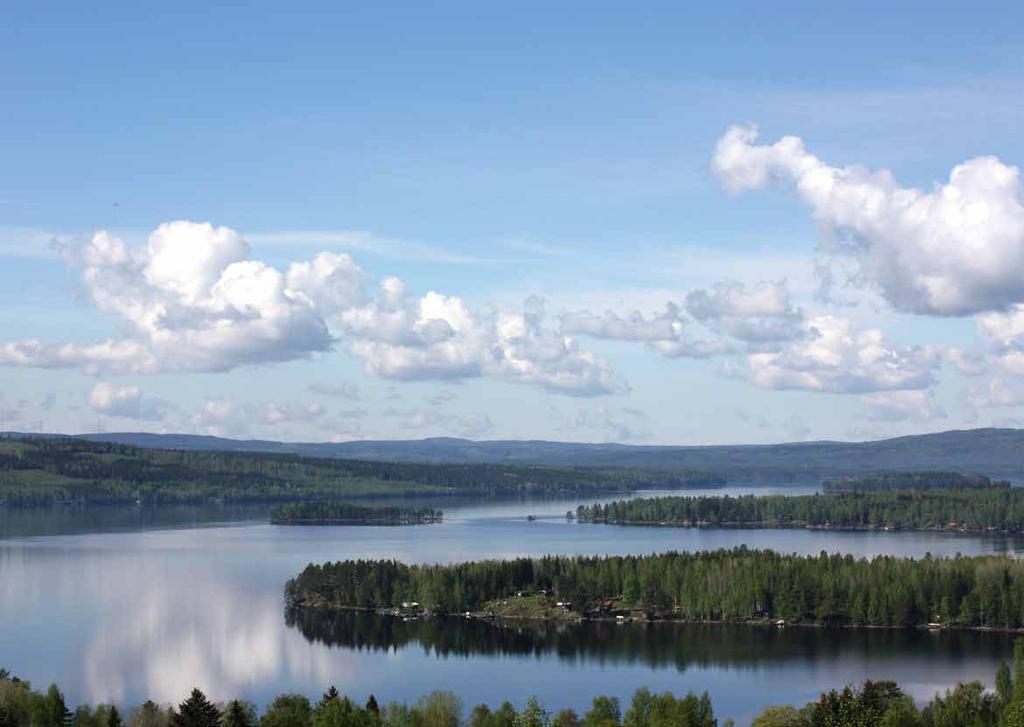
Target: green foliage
{"points": [[239, 714], [604, 712], [439, 709], [873, 704], [288, 710], [723, 585], [884, 481], [196, 711], [783, 716], [972, 509], [342, 513], [39, 471]]}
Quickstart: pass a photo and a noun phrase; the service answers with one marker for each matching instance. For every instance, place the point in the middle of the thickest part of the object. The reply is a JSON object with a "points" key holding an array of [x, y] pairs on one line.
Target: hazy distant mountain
{"points": [[995, 452]]}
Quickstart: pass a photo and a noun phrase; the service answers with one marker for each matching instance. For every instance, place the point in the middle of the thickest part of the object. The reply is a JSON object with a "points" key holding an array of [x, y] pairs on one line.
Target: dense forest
{"points": [[48, 471], [885, 481], [735, 585], [343, 513], [873, 704], [973, 509]]}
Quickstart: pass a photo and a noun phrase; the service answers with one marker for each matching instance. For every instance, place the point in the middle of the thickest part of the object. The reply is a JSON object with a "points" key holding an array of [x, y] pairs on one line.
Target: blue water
{"points": [[147, 609]]}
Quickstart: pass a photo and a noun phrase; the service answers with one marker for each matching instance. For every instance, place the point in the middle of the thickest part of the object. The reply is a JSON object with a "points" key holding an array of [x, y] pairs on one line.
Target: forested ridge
{"points": [[907, 481], [974, 509], [343, 513], [734, 585], [47, 471], [872, 704]]}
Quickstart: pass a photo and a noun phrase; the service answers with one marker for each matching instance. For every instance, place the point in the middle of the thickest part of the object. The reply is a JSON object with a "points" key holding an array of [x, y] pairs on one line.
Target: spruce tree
{"points": [[114, 717], [239, 714], [196, 711]]}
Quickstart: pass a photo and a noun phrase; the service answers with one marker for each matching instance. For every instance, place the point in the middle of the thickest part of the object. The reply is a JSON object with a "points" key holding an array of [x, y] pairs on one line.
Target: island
{"points": [[342, 513], [996, 508], [738, 585]]}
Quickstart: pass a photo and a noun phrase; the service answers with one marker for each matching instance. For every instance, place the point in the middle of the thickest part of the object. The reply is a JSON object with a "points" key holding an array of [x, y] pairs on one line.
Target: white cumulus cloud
{"points": [[956, 249], [438, 337], [836, 356], [193, 299], [124, 401]]}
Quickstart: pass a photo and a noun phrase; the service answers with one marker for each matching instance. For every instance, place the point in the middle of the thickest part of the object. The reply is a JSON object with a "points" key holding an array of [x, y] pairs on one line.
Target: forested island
{"points": [[343, 513], [45, 471], [997, 508], [737, 585], [873, 703], [884, 481]]}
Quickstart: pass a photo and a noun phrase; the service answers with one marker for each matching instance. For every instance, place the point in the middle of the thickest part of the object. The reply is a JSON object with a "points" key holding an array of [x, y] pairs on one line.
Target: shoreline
{"points": [[775, 525], [573, 617]]}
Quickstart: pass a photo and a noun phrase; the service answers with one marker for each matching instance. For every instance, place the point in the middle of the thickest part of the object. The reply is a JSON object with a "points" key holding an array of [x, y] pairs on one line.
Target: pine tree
{"points": [[196, 711], [372, 706], [114, 718], [239, 714], [55, 710]]}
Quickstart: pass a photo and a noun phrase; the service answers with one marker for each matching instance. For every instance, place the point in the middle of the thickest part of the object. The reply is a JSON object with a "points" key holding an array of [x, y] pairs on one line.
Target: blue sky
{"points": [[509, 160]]}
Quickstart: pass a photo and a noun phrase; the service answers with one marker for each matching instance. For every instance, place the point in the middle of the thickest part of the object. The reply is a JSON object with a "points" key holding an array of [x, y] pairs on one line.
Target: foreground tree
{"points": [[196, 711], [288, 710], [239, 714]]}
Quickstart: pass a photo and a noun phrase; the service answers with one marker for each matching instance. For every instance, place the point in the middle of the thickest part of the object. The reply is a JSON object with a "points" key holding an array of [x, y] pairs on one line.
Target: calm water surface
{"points": [[157, 604]]}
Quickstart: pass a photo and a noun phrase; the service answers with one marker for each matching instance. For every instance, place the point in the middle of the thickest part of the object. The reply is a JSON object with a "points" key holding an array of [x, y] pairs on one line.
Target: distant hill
{"points": [[993, 452]]}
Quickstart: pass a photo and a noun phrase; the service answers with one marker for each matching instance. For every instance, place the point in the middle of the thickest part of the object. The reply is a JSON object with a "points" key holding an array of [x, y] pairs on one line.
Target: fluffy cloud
{"points": [[996, 392], [759, 314], [756, 317], [125, 401], [898, 406], [834, 356], [954, 250], [218, 418], [192, 299], [634, 326], [438, 337], [664, 332]]}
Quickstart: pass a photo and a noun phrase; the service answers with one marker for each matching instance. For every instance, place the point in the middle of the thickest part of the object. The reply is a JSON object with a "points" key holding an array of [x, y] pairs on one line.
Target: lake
{"points": [[127, 606]]}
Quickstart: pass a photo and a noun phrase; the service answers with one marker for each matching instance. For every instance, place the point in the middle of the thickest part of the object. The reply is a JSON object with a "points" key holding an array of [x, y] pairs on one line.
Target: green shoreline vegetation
{"points": [[874, 703], [738, 585], [343, 513], [883, 481], [45, 471], [996, 508]]}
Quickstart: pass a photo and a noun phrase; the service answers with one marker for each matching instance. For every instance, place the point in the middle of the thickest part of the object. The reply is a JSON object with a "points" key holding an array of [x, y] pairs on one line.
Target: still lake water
{"points": [[154, 604]]}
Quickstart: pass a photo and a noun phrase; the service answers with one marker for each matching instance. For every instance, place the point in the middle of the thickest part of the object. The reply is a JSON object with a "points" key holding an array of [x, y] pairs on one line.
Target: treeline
{"points": [[735, 585], [884, 481], [47, 471], [994, 508], [873, 704], [343, 513]]}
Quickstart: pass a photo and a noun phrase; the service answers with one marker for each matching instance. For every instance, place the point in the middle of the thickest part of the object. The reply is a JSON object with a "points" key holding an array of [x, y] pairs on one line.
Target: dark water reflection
{"points": [[658, 645]]}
